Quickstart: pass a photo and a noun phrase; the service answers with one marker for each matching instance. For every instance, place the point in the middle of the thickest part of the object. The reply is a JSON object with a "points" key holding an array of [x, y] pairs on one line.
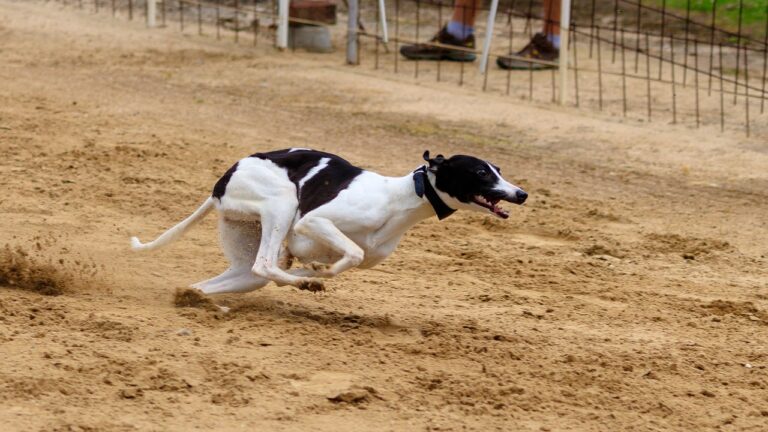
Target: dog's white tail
{"points": [[177, 231]]}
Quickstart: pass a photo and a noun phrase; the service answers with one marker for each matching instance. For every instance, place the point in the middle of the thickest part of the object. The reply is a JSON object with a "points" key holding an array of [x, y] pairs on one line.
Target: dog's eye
{"points": [[482, 173]]}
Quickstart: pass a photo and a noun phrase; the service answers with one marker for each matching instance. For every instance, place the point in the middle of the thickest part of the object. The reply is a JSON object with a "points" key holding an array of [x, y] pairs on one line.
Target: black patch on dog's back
{"points": [[221, 185], [323, 186]]}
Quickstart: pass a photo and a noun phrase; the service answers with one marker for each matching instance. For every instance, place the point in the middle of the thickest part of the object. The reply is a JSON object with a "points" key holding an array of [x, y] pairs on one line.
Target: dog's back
{"points": [[317, 177]]}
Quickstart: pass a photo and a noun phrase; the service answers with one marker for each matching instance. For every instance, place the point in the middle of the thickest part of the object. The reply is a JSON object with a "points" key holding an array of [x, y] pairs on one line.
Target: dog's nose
{"points": [[521, 196]]}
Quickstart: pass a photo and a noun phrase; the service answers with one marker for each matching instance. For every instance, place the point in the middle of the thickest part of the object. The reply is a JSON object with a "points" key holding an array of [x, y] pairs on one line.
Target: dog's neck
{"points": [[406, 207], [423, 184]]}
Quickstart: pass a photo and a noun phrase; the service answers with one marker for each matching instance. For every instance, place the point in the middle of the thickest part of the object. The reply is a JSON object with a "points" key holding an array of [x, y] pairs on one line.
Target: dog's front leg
{"points": [[274, 228], [324, 231]]}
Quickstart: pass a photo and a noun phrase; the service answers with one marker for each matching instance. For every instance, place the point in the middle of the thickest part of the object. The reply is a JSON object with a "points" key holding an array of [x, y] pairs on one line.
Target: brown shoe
{"points": [[428, 52], [538, 48]]}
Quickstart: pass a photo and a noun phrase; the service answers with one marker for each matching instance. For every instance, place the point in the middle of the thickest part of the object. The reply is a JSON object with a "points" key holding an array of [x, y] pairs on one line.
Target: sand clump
{"points": [[22, 270], [192, 298]]}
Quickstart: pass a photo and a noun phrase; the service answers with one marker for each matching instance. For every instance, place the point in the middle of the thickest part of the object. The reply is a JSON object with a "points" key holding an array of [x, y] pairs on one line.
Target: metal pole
{"points": [[151, 13], [282, 22], [351, 31], [383, 20], [565, 21], [489, 34]]}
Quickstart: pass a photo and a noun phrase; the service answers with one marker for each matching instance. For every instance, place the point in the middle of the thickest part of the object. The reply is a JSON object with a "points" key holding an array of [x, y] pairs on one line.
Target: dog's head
{"points": [[466, 182]]}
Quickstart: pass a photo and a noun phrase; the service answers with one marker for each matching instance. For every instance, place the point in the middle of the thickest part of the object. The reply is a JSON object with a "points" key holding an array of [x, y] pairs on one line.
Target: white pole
{"points": [[152, 13], [282, 24], [383, 18], [489, 36], [565, 23]]}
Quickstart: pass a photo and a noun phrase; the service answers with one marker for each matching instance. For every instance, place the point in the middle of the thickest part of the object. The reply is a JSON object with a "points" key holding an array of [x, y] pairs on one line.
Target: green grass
{"points": [[753, 13]]}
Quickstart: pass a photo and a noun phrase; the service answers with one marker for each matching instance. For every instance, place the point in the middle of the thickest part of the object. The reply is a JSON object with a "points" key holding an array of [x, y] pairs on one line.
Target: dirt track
{"points": [[631, 293]]}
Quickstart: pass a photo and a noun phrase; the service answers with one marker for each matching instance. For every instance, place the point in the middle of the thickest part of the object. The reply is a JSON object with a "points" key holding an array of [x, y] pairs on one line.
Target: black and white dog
{"points": [[319, 208]]}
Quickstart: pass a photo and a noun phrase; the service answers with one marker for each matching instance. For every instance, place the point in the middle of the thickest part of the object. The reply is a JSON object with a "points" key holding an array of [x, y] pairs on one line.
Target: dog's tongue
{"points": [[500, 212]]}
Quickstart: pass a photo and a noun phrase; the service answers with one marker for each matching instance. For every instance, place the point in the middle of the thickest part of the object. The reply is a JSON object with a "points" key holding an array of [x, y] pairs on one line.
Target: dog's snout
{"points": [[521, 196]]}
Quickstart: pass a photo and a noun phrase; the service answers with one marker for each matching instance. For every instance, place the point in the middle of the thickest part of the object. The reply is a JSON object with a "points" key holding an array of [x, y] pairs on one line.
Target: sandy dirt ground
{"points": [[629, 293]]}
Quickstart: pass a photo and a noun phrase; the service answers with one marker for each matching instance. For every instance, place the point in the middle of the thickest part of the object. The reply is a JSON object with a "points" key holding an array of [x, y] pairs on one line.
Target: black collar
{"points": [[424, 187]]}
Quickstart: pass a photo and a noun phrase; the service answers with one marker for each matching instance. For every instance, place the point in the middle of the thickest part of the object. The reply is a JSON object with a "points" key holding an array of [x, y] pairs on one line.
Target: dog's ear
{"points": [[435, 163]]}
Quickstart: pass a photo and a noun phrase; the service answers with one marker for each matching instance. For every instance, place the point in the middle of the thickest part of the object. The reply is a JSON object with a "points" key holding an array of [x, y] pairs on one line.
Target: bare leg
{"points": [[464, 11], [551, 17]]}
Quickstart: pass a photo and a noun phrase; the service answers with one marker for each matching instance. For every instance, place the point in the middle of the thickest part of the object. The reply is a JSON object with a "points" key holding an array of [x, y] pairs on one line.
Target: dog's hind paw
{"points": [[311, 286]]}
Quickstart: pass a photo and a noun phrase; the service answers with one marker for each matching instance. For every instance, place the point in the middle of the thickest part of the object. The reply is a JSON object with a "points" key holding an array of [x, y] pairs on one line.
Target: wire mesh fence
{"points": [[637, 60], [633, 58]]}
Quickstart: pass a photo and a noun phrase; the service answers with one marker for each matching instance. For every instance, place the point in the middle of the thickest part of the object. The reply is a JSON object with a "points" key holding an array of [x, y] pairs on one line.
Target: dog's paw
{"points": [[312, 286]]}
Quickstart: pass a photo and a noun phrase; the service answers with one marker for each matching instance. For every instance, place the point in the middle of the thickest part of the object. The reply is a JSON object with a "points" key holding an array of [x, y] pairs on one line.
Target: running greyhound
{"points": [[319, 208]]}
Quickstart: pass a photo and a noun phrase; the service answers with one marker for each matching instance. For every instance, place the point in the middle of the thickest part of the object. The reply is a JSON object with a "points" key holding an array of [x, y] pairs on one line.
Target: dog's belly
{"points": [[308, 250]]}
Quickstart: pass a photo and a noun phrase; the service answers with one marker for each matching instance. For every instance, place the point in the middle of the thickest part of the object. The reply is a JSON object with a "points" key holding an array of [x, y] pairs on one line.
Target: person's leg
{"points": [[552, 21], [462, 23], [544, 46], [458, 32]]}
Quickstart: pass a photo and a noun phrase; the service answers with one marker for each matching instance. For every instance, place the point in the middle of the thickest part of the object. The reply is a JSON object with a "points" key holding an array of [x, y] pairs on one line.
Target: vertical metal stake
{"points": [[237, 21], [674, 89], [488, 39], [615, 29], [765, 61], [151, 13], [218, 19], [623, 77], [511, 35], [599, 73], [685, 49], [738, 51], [376, 47], [397, 32], [648, 73], [746, 89], [199, 18], [722, 91], [565, 23], [637, 35], [352, 52], [418, 24], [282, 23], [575, 65], [661, 38], [255, 25], [439, 25], [592, 28], [712, 46], [696, 77]]}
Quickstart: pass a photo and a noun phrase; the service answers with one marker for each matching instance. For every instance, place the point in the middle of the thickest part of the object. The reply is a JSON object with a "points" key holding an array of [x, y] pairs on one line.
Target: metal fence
{"points": [[630, 58]]}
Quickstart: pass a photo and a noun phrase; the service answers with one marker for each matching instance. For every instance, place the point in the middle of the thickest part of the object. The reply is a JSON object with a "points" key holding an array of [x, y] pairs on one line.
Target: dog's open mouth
{"points": [[491, 204]]}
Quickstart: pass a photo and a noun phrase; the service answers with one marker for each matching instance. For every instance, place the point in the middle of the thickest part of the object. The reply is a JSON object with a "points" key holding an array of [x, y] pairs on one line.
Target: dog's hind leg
{"points": [[275, 224], [240, 243], [239, 280]]}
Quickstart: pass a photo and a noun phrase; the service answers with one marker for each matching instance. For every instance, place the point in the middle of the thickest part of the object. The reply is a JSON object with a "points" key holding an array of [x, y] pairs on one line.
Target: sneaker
{"points": [[539, 48], [428, 52]]}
